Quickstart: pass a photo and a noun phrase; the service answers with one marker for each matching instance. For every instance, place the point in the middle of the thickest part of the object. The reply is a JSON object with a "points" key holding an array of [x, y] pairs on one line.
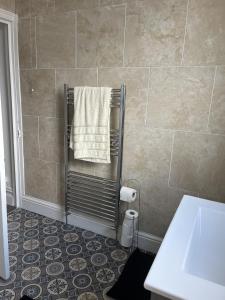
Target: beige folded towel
{"points": [[90, 132]]}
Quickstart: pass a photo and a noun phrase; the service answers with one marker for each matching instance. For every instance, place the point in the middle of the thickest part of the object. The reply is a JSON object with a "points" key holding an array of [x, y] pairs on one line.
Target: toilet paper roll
{"points": [[129, 228], [131, 214], [127, 194]]}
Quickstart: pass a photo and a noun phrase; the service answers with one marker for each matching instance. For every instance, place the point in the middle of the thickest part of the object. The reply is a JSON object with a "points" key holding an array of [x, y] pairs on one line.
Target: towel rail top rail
{"points": [[87, 194], [115, 101]]}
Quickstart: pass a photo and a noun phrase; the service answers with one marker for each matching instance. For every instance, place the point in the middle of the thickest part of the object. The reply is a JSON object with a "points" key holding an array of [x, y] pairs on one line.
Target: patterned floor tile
{"points": [[50, 260]]}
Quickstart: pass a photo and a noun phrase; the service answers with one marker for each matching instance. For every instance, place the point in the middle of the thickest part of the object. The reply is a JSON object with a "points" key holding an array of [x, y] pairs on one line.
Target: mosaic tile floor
{"points": [[49, 260]]}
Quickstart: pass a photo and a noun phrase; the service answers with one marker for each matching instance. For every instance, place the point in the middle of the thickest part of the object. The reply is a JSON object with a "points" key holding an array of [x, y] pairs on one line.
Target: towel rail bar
{"points": [[84, 200], [91, 207], [101, 201], [95, 184], [98, 189], [72, 209], [90, 191], [92, 177], [93, 210]]}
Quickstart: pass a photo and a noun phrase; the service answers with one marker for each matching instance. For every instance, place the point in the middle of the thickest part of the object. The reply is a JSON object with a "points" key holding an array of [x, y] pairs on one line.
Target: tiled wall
{"points": [[170, 54], [8, 5]]}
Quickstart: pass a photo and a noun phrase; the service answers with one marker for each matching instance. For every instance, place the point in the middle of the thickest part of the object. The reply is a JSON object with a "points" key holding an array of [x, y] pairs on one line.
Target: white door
{"points": [[4, 251], [6, 105], [10, 92]]}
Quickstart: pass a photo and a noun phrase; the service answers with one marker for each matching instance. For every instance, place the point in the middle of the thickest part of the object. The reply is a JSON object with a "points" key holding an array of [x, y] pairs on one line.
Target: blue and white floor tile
{"points": [[50, 260]]}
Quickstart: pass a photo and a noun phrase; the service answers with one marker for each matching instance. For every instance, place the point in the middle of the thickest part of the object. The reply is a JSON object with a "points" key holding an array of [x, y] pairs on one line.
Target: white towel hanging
{"points": [[90, 132]]}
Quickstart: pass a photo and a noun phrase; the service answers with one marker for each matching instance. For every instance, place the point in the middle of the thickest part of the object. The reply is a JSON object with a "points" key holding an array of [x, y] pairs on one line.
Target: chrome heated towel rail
{"points": [[88, 194]]}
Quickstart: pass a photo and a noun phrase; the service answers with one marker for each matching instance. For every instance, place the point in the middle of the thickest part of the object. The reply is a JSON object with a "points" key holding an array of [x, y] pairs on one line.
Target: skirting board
{"points": [[146, 241], [10, 197]]}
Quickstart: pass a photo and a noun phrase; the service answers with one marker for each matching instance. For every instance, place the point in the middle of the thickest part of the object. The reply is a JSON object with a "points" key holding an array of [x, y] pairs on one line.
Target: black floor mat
{"points": [[130, 285]]}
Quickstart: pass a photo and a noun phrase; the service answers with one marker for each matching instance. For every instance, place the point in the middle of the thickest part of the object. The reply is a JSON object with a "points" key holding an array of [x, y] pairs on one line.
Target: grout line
{"points": [[182, 66], [124, 33], [25, 115], [49, 161], [55, 95], [31, 45], [212, 94], [171, 157], [35, 40], [38, 137], [23, 17], [30, 8], [126, 67], [148, 94], [186, 131], [61, 68], [97, 76], [102, 6], [178, 130], [185, 32], [56, 181], [55, 80], [76, 43], [46, 117]]}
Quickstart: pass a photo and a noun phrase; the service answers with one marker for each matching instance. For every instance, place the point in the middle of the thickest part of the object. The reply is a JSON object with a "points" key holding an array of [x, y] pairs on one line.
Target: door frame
{"points": [[4, 251], [11, 20]]}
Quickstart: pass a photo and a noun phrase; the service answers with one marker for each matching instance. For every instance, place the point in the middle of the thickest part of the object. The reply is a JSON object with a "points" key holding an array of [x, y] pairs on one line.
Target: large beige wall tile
{"points": [[146, 149], [30, 137], [135, 79], [158, 204], [33, 42], [179, 97], [72, 77], [154, 32], [27, 8], [56, 40], [25, 43], [23, 8], [198, 163], [67, 5], [40, 179], [51, 139], [212, 197], [217, 115], [205, 38], [8, 5], [42, 7], [100, 35], [106, 170], [75, 77], [60, 184], [80, 166], [135, 110], [147, 155], [38, 92]]}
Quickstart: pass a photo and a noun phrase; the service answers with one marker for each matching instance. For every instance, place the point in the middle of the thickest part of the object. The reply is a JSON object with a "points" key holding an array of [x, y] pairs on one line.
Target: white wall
{"points": [[6, 112]]}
